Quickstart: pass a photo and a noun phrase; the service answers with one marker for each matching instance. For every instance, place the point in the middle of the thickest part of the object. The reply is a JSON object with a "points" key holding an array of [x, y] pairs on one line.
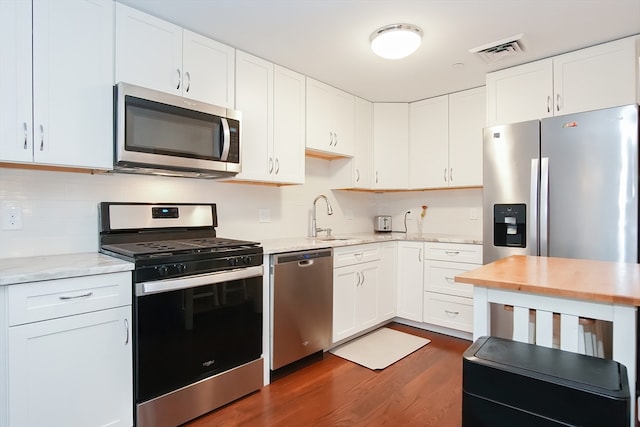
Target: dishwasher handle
{"points": [[302, 258]]}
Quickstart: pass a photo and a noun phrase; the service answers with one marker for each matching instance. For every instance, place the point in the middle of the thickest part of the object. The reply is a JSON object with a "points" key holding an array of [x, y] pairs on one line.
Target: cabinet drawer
{"points": [[448, 311], [458, 252], [349, 255], [36, 301], [439, 277]]}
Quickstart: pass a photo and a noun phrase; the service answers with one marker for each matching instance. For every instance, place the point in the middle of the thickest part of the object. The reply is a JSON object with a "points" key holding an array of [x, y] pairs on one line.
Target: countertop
{"points": [[33, 269], [601, 281], [272, 246]]}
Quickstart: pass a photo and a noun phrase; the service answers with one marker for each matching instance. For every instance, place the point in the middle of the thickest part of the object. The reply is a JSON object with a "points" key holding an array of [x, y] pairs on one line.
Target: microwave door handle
{"points": [[226, 139]]}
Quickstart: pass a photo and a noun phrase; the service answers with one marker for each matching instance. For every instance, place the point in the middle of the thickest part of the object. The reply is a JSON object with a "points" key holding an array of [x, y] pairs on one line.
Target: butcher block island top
{"points": [[609, 282]]}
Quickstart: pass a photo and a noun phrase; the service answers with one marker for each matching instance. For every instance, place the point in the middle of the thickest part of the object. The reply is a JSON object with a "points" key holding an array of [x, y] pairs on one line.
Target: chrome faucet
{"points": [[314, 228]]}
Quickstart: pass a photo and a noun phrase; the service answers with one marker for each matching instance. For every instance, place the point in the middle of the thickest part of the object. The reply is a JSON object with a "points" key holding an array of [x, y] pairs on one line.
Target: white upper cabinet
{"points": [[467, 112], [72, 99], [429, 143], [330, 120], [272, 102], [601, 76], [390, 145], [446, 140], [157, 54], [356, 172]]}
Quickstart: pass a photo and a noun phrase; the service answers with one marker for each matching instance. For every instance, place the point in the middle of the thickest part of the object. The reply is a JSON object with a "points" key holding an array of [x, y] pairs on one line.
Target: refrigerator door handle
{"points": [[544, 206], [534, 247]]}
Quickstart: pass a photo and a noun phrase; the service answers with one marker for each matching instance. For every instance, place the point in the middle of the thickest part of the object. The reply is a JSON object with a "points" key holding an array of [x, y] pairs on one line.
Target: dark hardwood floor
{"points": [[423, 389]]}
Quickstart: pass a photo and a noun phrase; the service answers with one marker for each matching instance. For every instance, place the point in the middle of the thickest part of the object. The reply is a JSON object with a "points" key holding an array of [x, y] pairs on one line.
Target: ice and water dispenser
{"points": [[510, 225]]}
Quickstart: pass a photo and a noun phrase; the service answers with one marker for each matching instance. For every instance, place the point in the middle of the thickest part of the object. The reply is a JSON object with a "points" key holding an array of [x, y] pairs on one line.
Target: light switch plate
{"points": [[264, 215]]}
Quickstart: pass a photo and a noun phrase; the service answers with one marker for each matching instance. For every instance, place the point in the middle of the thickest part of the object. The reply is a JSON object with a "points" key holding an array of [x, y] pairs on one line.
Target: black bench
{"points": [[509, 383]]}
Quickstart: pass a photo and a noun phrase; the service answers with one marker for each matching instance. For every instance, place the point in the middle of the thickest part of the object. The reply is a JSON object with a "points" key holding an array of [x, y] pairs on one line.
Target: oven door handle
{"points": [[158, 286]]}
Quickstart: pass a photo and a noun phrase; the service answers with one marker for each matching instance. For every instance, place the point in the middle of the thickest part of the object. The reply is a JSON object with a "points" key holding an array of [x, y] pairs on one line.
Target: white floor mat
{"points": [[380, 348]]}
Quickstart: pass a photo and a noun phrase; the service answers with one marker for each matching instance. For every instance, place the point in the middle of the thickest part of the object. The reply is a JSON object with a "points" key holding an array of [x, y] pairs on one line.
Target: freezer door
{"points": [[510, 177], [592, 185]]}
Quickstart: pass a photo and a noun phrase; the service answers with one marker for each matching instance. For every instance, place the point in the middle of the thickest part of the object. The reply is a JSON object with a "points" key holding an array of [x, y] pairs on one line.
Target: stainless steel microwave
{"points": [[164, 134]]}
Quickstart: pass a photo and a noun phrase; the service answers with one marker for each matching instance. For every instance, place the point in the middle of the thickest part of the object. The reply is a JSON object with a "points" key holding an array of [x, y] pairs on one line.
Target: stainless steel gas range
{"points": [[197, 311]]}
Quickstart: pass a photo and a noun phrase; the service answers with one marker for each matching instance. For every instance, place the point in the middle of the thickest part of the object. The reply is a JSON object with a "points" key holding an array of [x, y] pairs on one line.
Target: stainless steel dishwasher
{"points": [[301, 305]]}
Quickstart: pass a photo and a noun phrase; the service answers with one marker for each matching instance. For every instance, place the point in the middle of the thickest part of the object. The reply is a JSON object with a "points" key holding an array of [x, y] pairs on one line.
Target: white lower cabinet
{"points": [[75, 367], [363, 287], [409, 280], [447, 303]]}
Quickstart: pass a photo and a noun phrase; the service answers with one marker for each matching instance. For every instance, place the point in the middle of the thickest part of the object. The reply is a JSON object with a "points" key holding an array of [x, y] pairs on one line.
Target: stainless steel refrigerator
{"points": [[564, 186]]}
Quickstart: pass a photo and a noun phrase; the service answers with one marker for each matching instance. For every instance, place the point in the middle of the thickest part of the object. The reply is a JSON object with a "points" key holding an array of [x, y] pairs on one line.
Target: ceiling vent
{"points": [[502, 49]]}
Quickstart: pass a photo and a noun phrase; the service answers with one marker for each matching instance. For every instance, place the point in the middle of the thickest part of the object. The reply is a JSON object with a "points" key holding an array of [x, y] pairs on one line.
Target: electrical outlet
{"points": [[12, 217], [264, 215]]}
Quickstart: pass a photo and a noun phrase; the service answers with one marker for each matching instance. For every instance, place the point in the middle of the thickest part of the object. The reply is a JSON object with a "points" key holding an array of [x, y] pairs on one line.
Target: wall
{"points": [[60, 208]]}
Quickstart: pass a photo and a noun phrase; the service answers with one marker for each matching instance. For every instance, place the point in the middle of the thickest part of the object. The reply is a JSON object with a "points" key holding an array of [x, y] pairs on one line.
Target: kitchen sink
{"points": [[330, 238]]}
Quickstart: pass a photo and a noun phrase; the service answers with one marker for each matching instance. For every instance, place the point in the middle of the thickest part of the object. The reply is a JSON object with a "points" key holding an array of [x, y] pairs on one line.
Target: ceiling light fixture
{"points": [[396, 41]]}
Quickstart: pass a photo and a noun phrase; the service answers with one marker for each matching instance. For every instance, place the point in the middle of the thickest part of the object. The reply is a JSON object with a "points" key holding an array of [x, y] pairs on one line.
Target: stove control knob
{"points": [[163, 270], [246, 260], [181, 268]]}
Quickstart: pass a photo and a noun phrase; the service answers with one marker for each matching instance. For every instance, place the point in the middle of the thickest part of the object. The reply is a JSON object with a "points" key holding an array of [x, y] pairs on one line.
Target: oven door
{"points": [[194, 327]]}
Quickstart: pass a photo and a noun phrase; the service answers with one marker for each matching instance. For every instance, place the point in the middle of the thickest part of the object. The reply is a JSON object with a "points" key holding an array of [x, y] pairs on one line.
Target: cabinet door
{"points": [[391, 145], [16, 139], [363, 144], [345, 282], [520, 93], [254, 98], [410, 288], [367, 295], [73, 83], [319, 116], [429, 142], [148, 51], [387, 281], [288, 126], [598, 77], [343, 111], [208, 70], [466, 121], [72, 371]]}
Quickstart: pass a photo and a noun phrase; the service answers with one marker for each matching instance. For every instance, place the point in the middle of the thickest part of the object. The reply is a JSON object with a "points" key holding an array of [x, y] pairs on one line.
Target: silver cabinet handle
{"points": [[357, 279], [179, 78], [126, 328], [41, 138], [548, 104], [420, 255], [445, 174], [85, 295], [363, 278], [376, 177], [450, 279], [335, 139], [26, 134], [452, 313], [277, 166], [558, 102], [451, 175], [330, 138], [452, 253], [270, 164], [357, 173], [188, 76]]}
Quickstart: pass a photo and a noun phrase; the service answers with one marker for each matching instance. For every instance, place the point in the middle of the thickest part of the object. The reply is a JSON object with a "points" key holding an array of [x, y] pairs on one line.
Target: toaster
{"points": [[382, 223]]}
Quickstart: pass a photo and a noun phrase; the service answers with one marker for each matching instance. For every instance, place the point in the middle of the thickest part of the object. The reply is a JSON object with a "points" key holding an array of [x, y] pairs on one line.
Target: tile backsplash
{"points": [[59, 209]]}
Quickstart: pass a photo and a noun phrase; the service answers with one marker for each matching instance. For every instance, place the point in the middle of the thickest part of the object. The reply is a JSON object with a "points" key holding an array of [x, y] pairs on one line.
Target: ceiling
{"points": [[329, 39]]}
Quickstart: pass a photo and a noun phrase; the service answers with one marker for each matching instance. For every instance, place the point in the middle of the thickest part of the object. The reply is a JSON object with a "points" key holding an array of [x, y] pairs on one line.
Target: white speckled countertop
{"points": [[273, 246], [37, 268], [33, 269]]}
